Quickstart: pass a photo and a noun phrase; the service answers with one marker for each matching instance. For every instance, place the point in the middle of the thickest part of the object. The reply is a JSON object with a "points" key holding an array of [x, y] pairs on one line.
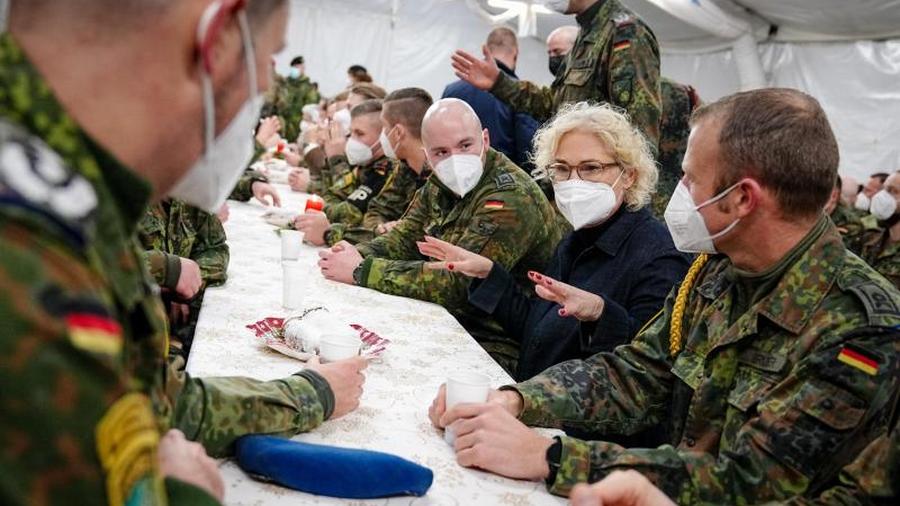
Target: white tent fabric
{"points": [[846, 54]]}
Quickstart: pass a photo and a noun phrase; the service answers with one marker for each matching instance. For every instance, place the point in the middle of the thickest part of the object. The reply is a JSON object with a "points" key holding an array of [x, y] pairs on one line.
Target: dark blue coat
{"points": [[511, 133], [630, 261]]}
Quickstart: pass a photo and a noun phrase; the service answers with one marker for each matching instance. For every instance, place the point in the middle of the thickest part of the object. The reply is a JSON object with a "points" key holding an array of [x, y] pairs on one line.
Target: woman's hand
{"points": [[585, 306], [455, 259]]}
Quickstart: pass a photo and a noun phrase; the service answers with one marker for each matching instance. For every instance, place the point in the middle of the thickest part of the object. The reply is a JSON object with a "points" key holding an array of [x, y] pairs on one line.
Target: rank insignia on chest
{"points": [[858, 360], [494, 204]]}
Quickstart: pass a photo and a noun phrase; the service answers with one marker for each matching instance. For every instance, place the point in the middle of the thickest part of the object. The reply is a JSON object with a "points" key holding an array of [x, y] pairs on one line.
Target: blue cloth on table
{"points": [[331, 471]]}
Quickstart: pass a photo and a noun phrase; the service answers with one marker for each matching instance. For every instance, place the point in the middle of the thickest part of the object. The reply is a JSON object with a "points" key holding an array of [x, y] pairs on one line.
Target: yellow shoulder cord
{"points": [[675, 326]]}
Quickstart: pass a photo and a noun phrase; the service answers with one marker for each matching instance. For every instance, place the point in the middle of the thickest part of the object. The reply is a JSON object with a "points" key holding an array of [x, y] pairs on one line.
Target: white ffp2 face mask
{"points": [[862, 202], [358, 153], [386, 146], [686, 224], [343, 118], [883, 205], [460, 173], [212, 178], [585, 203]]}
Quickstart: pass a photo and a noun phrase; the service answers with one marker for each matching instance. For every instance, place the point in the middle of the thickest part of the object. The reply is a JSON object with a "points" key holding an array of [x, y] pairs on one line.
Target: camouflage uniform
{"points": [[505, 218], [615, 60], [678, 102], [172, 230], [782, 380], [87, 390], [851, 226], [348, 199], [882, 255], [243, 191], [287, 101], [388, 206], [322, 180]]}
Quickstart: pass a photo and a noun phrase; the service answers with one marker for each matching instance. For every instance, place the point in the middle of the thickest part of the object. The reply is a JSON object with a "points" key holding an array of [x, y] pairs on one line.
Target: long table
{"points": [[427, 345]]}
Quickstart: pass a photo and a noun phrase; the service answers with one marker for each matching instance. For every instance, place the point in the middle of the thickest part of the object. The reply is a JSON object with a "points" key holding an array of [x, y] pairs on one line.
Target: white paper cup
{"points": [[335, 347], [292, 281], [464, 388], [291, 241]]}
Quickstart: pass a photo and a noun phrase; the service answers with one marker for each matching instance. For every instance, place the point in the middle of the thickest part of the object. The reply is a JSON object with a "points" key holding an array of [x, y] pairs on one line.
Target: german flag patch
{"points": [[624, 44], [94, 333], [858, 360], [494, 204]]}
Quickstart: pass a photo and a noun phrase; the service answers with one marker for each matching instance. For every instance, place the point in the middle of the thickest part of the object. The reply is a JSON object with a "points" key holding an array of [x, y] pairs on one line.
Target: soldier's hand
{"points": [[313, 224], [509, 399], [488, 437], [455, 259], [346, 379], [293, 158], [267, 135], [224, 213], [481, 74], [179, 313], [621, 488], [582, 305], [190, 281], [339, 262], [298, 179], [386, 227], [188, 462], [263, 190], [336, 140]]}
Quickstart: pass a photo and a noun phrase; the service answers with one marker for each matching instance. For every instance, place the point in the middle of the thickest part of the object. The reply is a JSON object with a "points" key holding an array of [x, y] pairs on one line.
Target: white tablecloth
{"points": [[427, 345]]}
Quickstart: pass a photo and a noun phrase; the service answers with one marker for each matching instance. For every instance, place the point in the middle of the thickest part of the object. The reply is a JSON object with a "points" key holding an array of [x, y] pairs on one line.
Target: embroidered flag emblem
{"points": [[859, 361], [94, 333], [494, 204]]}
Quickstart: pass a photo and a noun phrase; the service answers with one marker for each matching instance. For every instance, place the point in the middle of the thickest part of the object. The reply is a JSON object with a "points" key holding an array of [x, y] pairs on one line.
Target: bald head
{"points": [[561, 41], [451, 127]]}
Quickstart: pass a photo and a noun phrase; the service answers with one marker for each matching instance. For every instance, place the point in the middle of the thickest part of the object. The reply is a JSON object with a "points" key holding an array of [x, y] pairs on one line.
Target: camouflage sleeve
{"points": [[63, 391], [217, 411], [496, 233], [165, 268], [243, 192], [401, 241], [392, 201], [336, 167], [210, 250], [819, 417], [634, 79], [354, 235], [525, 97]]}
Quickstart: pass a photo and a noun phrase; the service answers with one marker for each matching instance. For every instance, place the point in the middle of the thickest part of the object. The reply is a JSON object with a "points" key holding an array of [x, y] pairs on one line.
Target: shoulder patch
{"points": [[505, 181], [623, 19], [880, 304]]}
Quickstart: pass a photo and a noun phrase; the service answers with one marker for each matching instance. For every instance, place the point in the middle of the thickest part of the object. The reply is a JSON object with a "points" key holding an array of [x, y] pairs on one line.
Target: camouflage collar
{"points": [[596, 15], [802, 287], [30, 104]]}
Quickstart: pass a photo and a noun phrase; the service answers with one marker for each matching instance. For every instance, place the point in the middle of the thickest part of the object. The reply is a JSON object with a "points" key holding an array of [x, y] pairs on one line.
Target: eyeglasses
{"points": [[588, 171]]}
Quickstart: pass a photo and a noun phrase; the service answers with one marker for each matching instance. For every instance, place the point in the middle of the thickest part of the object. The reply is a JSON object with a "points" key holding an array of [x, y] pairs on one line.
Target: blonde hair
{"points": [[614, 130]]}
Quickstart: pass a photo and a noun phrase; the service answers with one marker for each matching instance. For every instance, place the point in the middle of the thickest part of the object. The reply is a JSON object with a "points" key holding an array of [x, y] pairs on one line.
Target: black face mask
{"points": [[556, 63], [890, 222]]}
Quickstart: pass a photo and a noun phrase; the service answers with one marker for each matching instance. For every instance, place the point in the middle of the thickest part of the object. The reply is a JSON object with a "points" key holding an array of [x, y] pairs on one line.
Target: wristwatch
{"points": [[554, 455]]}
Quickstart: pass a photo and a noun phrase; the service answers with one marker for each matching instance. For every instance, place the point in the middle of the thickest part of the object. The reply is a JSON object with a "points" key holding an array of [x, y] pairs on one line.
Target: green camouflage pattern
{"points": [[388, 206], [286, 100], [321, 181], [505, 218], [850, 224], [756, 406], [678, 102], [615, 60], [347, 201], [243, 191], [882, 254], [64, 262]]}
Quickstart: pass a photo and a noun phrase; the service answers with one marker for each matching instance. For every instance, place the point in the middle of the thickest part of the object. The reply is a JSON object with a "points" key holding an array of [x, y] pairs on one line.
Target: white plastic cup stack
{"points": [[291, 241], [292, 274], [335, 347], [465, 388]]}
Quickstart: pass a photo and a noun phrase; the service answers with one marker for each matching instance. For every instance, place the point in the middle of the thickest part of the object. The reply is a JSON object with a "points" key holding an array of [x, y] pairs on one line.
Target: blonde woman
{"points": [[609, 276]]}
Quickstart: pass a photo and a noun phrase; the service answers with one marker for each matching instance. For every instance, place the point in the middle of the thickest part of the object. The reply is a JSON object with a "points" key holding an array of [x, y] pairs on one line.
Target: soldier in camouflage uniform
{"points": [[289, 96], [87, 390], [615, 60], [678, 102], [505, 217], [401, 120], [881, 246], [848, 220], [169, 231], [768, 377]]}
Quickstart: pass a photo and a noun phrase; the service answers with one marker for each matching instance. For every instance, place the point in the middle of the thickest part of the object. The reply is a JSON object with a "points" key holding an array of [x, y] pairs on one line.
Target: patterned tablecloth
{"points": [[427, 345]]}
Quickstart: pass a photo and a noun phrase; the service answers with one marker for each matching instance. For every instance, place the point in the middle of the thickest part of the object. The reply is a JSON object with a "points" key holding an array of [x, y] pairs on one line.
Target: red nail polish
{"points": [[563, 312], [451, 267]]}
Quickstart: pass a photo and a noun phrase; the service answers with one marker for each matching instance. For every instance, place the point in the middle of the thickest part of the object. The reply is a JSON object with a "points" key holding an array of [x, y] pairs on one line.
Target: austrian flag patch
{"points": [[494, 204], [858, 360], [94, 333]]}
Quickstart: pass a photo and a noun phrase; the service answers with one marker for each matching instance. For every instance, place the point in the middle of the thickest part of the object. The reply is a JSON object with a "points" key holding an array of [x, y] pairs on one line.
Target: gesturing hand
{"points": [[481, 74], [585, 306], [453, 258]]}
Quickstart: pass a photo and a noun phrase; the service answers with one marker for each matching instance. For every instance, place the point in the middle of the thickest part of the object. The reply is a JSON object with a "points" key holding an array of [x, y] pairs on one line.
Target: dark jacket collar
{"points": [[586, 19], [508, 71], [616, 231]]}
